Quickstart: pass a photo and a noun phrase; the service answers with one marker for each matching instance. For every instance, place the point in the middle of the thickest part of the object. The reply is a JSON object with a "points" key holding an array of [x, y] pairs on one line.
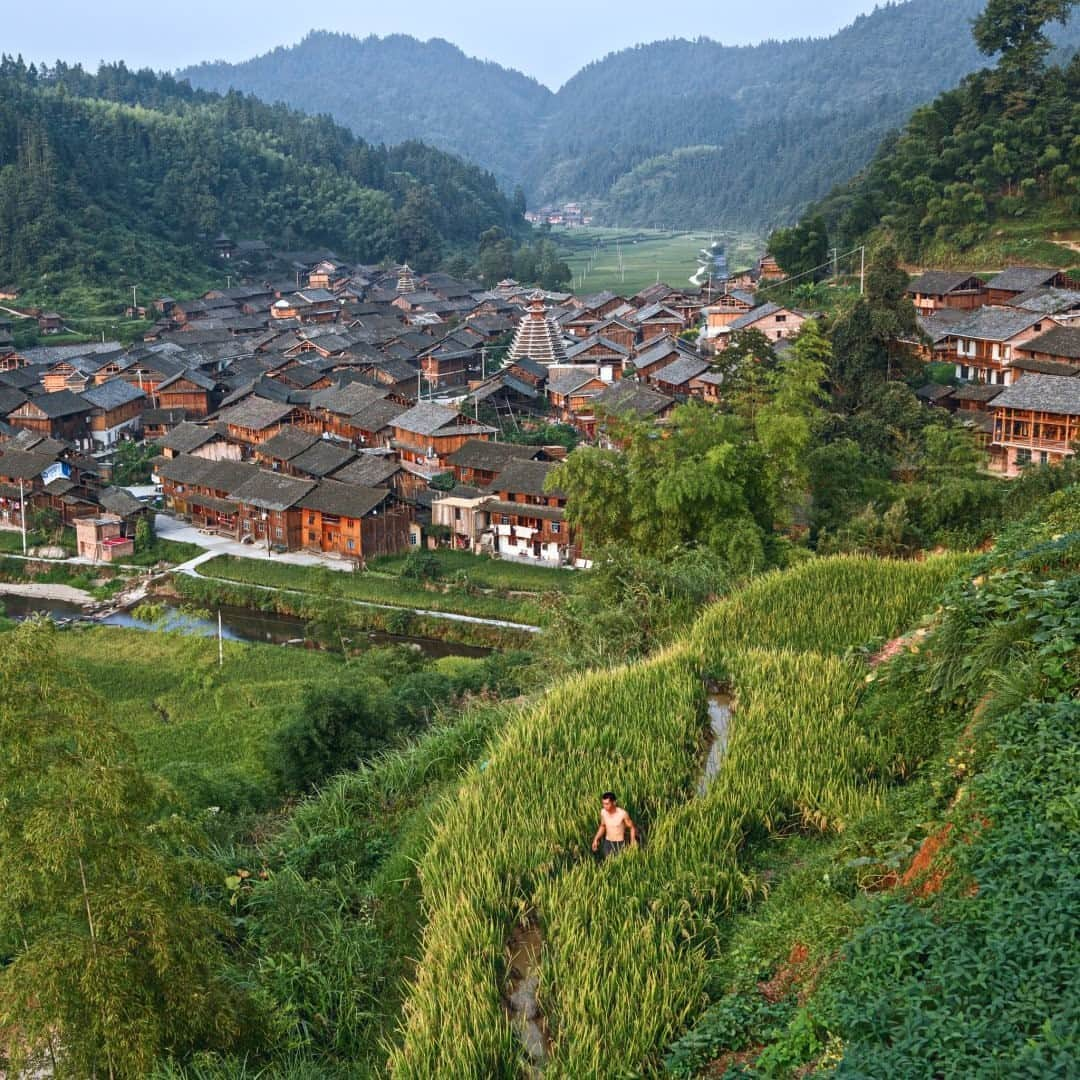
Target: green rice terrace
{"points": [[874, 876]]}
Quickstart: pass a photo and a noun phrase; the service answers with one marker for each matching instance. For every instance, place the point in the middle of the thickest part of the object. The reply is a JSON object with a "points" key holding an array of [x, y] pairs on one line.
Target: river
{"points": [[237, 624]]}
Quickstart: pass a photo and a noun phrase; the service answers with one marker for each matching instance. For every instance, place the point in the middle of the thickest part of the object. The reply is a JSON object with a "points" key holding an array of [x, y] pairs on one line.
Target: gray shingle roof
{"points": [[184, 469], [1021, 278], [288, 443], [112, 394], [1063, 341], [272, 491], [187, 437], [369, 470], [227, 475], [1046, 393], [21, 465], [118, 501], [322, 458], [525, 478], [939, 282], [752, 316], [492, 456], [425, 418], [681, 371], [995, 324], [256, 413], [344, 500], [630, 398]]}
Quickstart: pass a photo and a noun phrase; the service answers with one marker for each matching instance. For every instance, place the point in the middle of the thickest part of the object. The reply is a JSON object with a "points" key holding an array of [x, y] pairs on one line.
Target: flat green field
{"points": [[203, 726], [647, 256], [487, 573]]}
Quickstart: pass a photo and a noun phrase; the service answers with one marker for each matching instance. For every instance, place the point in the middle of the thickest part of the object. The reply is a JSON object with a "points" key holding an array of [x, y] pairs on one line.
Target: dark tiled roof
{"points": [[322, 458], [271, 491], [287, 443], [369, 470], [491, 456], [752, 316], [1022, 278], [938, 282], [344, 500], [1045, 367], [186, 437], [60, 404], [112, 394], [995, 323], [118, 501], [22, 465], [184, 469], [681, 371], [525, 478], [628, 397], [934, 392], [976, 392], [1046, 393], [256, 413], [1063, 341], [227, 475], [549, 513]]}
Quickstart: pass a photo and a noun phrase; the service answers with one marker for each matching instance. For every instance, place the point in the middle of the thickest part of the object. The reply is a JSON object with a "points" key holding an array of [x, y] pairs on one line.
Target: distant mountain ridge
{"points": [[678, 132]]}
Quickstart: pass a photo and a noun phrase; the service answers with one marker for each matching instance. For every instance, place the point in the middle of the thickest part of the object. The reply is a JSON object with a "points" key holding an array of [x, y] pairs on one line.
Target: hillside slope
{"points": [[982, 175], [124, 176], [684, 132], [396, 88]]}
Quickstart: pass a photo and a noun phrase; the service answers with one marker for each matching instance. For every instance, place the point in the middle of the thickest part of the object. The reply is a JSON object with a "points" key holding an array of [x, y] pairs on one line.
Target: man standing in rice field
{"points": [[610, 838]]}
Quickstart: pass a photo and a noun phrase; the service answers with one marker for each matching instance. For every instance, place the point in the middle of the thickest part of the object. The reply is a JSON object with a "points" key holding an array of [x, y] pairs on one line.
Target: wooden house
{"points": [[658, 320], [50, 322], [1060, 345], [63, 415], [768, 269], [773, 320], [937, 289], [602, 352], [663, 351], [255, 419], [1036, 421], [268, 510], [117, 411], [1016, 280], [985, 344], [527, 521], [625, 400], [478, 462], [355, 522], [676, 379], [199, 441], [191, 390], [571, 394], [427, 434]]}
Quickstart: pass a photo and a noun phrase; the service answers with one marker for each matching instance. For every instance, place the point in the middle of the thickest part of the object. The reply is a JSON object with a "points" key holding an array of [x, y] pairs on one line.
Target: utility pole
{"points": [[835, 253], [134, 302], [220, 643], [862, 270], [228, 281], [22, 513]]}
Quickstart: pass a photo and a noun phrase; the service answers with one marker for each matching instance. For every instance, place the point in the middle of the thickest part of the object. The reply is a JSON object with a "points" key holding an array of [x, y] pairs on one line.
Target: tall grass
{"points": [[626, 943]]}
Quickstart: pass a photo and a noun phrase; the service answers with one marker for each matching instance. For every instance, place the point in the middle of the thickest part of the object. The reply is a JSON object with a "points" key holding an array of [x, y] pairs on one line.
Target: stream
{"points": [[719, 721], [522, 1002], [237, 624]]}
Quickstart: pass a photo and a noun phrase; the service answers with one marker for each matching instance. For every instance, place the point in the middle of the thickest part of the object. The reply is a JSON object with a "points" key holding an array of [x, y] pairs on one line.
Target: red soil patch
{"points": [[927, 874], [787, 976]]}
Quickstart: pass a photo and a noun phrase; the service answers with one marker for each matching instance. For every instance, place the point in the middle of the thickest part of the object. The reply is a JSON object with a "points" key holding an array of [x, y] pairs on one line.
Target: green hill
{"points": [[677, 132], [124, 177], [987, 173]]}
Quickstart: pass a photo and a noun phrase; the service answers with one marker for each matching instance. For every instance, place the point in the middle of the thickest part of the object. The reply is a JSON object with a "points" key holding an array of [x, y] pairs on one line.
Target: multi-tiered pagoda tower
{"points": [[537, 337]]}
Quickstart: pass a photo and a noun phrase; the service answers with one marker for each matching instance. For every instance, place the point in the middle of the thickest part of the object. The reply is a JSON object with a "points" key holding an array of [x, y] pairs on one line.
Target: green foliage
{"points": [[128, 175], [803, 248], [110, 958], [131, 462]]}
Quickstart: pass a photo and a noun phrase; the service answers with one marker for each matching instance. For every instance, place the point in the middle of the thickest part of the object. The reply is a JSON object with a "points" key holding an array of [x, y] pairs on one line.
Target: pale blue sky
{"points": [[549, 40]]}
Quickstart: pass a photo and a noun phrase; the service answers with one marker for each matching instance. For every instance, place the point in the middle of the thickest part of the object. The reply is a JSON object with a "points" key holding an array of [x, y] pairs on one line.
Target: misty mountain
{"points": [[687, 132]]}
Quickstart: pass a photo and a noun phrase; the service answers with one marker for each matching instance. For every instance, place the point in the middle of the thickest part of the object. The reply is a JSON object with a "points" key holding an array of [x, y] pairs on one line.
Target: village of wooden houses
{"points": [[374, 410]]}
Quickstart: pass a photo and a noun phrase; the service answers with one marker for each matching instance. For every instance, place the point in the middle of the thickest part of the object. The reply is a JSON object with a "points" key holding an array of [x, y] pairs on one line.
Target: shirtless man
{"points": [[614, 821]]}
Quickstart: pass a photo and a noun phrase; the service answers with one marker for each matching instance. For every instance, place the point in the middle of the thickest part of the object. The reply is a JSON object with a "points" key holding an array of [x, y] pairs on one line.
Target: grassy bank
{"points": [[312, 606], [513, 841], [371, 588], [483, 571]]}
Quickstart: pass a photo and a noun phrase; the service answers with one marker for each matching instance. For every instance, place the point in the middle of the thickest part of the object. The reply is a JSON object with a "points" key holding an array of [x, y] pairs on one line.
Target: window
{"points": [[504, 519], [457, 513], [311, 538], [311, 519], [414, 538], [1044, 457], [556, 527], [1023, 458], [277, 532], [781, 318], [350, 545]]}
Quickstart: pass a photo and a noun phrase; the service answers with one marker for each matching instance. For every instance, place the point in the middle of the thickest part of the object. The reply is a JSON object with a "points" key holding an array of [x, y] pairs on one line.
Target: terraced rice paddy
{"points": [[511, 846]]}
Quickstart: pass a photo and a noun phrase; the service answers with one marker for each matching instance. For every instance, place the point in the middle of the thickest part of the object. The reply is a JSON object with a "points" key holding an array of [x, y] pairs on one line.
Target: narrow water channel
{"points": [[522, 995], [719, 722], [237, 624]]}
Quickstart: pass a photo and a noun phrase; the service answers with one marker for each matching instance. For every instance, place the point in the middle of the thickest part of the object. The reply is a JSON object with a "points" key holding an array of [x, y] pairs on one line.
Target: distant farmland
{"points": [[647, 255]]}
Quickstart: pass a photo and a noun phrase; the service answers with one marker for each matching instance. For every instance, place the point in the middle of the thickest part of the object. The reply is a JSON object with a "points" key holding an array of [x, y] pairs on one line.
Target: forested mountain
{"points": [[124, 176], [998, 155], [683, 132], [397, 88]]}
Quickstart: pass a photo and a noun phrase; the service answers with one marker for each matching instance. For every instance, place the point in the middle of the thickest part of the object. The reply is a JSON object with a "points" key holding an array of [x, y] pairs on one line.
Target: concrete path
{"points": [[168, 528], [65, 593]]}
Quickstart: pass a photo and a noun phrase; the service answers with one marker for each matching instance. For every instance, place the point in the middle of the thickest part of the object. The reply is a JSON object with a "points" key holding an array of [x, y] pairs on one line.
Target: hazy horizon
{"points": [[550, 47]]}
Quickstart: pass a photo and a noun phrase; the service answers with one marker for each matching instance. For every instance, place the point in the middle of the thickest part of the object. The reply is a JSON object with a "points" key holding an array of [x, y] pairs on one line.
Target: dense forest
{"points": [[125, 176], [999, 152], [396, 88], [680, 132]]}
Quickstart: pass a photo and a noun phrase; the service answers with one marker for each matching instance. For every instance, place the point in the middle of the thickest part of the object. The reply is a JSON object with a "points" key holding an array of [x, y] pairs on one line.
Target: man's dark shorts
{"points": [[611, 847]]}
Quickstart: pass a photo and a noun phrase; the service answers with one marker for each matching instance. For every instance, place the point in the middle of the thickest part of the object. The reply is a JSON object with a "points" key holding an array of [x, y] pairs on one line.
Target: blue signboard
{"points": [[56, 471]]}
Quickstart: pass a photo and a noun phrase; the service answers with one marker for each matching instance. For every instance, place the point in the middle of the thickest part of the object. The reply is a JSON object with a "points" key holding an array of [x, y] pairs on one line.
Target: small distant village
{"points": [[354, 411]]}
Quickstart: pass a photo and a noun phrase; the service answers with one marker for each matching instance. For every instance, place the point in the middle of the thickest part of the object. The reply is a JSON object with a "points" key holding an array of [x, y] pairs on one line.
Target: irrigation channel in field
{"points": [[237, 624], [526, 942]]}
